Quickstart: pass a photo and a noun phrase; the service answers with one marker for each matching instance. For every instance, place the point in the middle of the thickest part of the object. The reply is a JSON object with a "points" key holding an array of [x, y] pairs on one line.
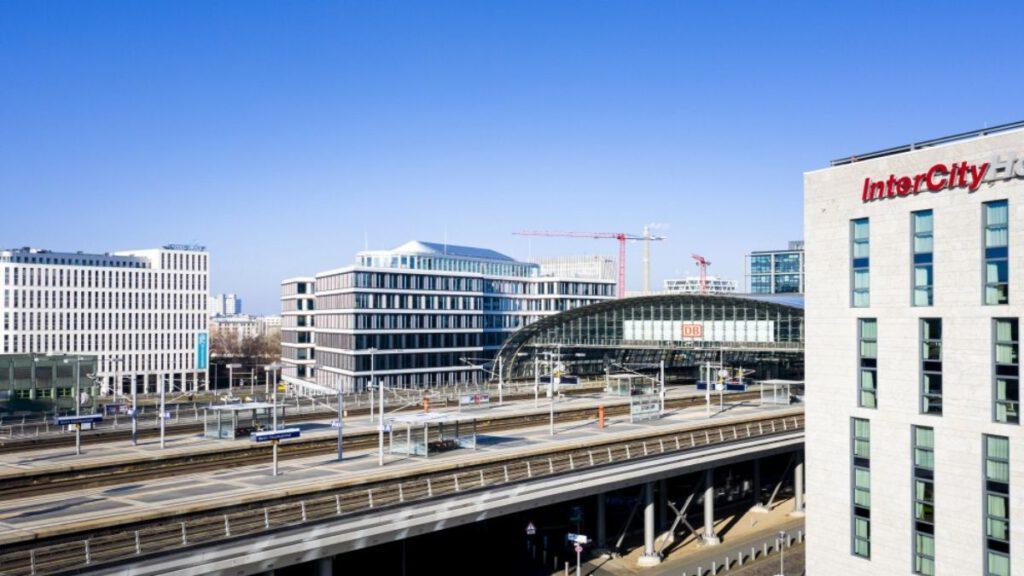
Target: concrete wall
{"points": [[832, 199]]}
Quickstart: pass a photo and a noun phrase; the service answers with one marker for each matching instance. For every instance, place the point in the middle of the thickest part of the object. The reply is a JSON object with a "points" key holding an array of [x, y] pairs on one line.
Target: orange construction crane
{"points": [[620, 236], [703, 264]]}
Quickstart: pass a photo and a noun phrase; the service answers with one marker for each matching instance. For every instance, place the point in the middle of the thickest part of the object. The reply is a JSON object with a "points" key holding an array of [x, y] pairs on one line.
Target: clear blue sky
{"points": [[279, 134]]}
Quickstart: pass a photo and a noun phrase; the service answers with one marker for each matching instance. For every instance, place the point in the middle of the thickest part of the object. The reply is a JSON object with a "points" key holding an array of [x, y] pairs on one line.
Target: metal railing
{"points": [[927, 143], [214, 526]]}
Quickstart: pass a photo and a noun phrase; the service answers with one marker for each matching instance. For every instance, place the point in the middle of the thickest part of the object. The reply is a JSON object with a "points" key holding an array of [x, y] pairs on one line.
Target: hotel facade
{"points": [[913, 441], [422, 314], [141, 313]]}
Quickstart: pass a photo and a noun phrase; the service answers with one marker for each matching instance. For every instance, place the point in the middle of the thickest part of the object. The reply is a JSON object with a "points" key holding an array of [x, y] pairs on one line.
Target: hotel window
{"points": [[924, 500], [923, 273], [861, 487], [1006, 371], [867, 383], [861, 266], [997, 290], [931, 366], [997, 506]]}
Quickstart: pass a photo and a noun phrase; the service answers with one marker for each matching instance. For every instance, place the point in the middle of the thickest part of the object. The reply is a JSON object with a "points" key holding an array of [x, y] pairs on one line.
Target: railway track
{"points": [[107, 475], [104, 435], [114, 545]]}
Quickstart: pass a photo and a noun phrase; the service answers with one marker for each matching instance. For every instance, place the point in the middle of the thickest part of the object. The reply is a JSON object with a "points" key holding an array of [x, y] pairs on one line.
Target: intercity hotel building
{"points": [[915, 459]]}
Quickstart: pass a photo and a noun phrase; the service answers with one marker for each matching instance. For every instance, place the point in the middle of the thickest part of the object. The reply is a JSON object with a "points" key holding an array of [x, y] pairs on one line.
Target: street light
{"points": [[231, 373], [119, 361], [272, 369], [78, 397], [369, 387], [161, 380]]}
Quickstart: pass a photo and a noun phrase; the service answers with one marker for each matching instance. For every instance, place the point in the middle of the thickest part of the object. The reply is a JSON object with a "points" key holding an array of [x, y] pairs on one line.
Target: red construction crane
{"points": [[703, 264], [620, 236]]}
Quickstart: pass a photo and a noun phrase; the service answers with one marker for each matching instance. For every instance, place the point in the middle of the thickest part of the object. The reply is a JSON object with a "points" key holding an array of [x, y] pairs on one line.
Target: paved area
{"points": [[739, 533], [21, 517]]}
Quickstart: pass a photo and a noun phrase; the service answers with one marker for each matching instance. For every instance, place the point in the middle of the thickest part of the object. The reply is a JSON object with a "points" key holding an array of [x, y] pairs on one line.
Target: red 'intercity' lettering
{"points": [[938, 177]]}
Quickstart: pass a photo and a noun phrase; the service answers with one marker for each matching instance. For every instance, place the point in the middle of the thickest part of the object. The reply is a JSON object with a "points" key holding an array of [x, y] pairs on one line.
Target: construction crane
{"points": [[622, 237], [703, 264]]}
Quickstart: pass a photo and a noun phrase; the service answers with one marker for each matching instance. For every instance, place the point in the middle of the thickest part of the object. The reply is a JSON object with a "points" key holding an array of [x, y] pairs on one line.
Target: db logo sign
{"points": [[693, 330]]}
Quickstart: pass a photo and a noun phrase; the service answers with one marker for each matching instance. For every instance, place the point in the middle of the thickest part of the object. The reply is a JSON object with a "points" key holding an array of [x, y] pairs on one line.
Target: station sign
{"points": [[941, 176], [577, 538], [82, 419], [268, 435], [474, 400]]}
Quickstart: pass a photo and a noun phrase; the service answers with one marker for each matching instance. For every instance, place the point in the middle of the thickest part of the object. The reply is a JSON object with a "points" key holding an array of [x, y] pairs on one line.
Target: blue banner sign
{"points": [[202, 350], [83, 419], [269, 435]]}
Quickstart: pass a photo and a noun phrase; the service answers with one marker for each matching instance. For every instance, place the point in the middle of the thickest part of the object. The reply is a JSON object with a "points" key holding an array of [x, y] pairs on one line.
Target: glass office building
{"points": [[422, 314], [776, 271]]}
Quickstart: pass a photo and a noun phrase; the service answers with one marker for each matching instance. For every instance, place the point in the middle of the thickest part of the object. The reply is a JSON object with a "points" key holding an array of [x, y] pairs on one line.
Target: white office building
{"points": [[422, 314], [692, 285], [225, 305], [593, 267], [141, 312], [242, 326], [915, 453], [298, 354]]}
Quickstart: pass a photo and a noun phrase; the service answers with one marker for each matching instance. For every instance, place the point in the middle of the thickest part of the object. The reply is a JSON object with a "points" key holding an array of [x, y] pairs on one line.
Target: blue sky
{"points": [[281, 135]]}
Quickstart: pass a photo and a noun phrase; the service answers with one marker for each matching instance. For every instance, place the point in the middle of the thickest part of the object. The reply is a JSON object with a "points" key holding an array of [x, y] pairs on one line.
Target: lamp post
{"points": [[369, 386], [271, 369], [380, 427], [118, 361], [78, 400], [231, 374], [163, 387], [341, 413]]}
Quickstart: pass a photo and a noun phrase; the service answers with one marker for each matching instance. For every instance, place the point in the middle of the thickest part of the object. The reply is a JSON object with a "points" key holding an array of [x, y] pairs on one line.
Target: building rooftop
{"points": [[439, 249], [928, 143]]}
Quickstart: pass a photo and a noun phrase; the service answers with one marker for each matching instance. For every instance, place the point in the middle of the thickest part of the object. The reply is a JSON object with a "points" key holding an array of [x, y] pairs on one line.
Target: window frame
{"points": [[860, 264], [995, 255], [929, 367], [922, 259]]}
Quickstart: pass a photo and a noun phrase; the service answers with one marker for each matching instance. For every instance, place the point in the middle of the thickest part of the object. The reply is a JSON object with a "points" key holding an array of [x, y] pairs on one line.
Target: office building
{"points": [[914, 445], [298, 354], [225, 305], [142, 313], [422, 314], [593, 267], [241, 326], [692, 285], [776, 271]]}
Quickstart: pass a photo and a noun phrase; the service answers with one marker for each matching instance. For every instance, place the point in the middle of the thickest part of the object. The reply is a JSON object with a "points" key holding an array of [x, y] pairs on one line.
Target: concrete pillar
{"points": [[649, 558], [798, 486], [662, 505], [602, 537], [709, 538], [325, 566], [758, 503]]}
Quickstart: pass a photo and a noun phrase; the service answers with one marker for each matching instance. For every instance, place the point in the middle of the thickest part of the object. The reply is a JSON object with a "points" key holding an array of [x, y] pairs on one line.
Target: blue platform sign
{"points": [[269, 435], [202, 350], [83, 419]]}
